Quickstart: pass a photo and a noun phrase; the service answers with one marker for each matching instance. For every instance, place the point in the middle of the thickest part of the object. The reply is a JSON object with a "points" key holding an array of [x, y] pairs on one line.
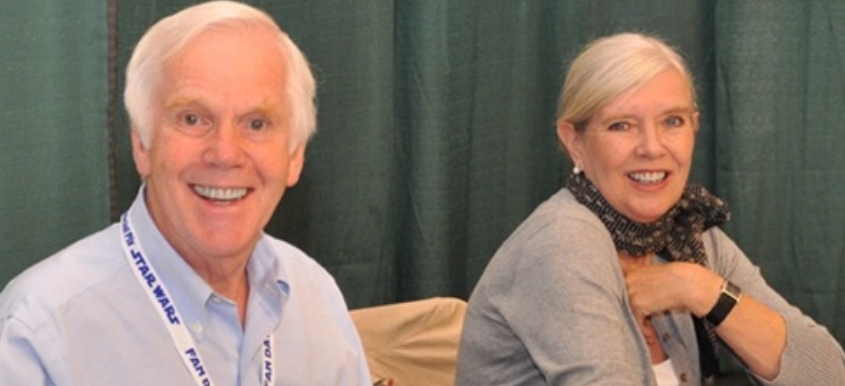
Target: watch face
{"points": [[732, 290]]}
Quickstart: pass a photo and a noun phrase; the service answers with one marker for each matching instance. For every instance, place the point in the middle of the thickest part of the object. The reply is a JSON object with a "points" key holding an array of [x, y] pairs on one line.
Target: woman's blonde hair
{"points": [[611, 66]]}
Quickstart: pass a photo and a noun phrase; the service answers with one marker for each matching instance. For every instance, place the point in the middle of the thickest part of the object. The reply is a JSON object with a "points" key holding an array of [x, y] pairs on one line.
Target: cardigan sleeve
{"points": [[812, 356], [551, 309]]}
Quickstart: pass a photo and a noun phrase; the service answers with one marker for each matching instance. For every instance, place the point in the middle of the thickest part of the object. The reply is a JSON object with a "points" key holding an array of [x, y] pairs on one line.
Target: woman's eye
{"points": [[674, 121], [619, 126]]}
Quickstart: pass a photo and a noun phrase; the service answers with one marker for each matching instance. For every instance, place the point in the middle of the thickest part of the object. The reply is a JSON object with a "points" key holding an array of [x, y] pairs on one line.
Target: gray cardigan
{"points": [[551, 309]]}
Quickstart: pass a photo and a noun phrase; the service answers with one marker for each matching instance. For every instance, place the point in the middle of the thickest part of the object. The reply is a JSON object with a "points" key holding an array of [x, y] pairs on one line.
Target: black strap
{"points": [[708, 355]]}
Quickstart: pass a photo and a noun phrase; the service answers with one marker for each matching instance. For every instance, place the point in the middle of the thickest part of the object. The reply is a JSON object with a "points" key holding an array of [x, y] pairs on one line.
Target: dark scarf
{"points": [[676, 237]]}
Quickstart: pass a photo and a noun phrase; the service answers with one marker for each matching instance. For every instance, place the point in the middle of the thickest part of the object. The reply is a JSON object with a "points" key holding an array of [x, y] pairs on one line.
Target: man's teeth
{"points": [[220, 194], [648, 178]]}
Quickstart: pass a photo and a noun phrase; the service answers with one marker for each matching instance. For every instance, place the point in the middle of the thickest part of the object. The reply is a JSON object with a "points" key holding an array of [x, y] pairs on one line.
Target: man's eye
{"points": [[192, 123], [191, 119], [257, 124]]}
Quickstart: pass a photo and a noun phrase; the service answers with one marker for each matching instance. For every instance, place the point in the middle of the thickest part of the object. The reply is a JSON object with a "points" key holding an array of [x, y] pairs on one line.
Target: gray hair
{"points": [[167, 38]]}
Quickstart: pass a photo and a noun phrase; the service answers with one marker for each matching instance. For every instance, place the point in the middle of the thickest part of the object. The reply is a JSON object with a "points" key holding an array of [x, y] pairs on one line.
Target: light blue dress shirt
{"points": [[81, 318]]}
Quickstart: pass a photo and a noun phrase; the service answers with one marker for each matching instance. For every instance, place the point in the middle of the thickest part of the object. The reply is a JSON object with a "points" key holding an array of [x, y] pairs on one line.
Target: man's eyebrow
{"points": [[179, 103], [267, 111]]}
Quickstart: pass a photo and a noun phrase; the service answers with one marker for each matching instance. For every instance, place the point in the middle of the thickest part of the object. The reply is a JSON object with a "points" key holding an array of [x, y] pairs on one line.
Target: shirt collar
{"points": [[188, 290], [267, 277]]}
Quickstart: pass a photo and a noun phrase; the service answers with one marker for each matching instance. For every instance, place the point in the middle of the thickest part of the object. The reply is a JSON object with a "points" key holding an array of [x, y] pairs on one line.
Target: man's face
{"points": [[219, 159]]}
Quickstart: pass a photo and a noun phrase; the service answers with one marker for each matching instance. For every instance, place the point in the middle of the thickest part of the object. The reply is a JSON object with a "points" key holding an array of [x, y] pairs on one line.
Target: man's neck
{"points": [[228, 278]]}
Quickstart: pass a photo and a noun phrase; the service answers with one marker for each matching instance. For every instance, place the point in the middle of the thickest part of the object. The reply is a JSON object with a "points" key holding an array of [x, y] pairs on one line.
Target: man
{"points": [[187, 289]]}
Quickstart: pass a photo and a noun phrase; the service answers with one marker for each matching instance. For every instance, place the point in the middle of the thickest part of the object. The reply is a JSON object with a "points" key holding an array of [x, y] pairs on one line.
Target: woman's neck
{"points": [[630, 261]]}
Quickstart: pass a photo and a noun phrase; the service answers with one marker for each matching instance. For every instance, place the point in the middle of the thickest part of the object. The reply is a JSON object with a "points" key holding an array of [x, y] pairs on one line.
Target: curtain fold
{"points": [[781, 89], [54, 181]]}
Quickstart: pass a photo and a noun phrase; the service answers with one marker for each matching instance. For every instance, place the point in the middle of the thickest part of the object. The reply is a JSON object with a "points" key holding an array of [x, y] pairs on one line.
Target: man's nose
{"points": [[225, 146]]}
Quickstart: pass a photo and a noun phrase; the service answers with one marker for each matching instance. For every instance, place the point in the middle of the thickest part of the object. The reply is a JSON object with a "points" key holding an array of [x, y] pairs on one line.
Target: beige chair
{"points": [[412, 343]]}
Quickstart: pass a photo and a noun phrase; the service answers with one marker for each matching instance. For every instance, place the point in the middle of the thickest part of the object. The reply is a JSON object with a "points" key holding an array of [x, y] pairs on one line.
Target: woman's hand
{"points": [[674, 286], [752, 330]]}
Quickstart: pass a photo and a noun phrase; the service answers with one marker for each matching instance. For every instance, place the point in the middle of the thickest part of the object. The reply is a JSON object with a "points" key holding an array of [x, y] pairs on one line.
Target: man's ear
{"points": [[140, 154], [297, 161], [570, 140]]}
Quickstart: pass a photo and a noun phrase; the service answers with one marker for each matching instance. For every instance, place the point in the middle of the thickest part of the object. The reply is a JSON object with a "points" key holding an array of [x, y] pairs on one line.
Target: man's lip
{"points": [[220, 194]]}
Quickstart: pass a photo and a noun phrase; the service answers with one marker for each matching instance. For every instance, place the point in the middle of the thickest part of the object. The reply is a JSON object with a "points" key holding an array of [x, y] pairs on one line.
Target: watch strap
{"points": [[729, 295]]}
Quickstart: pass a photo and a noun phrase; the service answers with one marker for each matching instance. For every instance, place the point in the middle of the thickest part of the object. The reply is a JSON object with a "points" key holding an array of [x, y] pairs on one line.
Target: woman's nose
{"points": [[651, 142]]}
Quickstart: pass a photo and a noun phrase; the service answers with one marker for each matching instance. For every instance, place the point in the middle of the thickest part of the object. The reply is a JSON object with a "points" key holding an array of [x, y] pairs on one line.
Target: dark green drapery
{"points": [[54, 174], [436, 130]]}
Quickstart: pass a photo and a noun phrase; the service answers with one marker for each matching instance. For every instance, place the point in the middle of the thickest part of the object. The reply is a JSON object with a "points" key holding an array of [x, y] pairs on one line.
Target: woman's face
{"points": [[637, 149]]}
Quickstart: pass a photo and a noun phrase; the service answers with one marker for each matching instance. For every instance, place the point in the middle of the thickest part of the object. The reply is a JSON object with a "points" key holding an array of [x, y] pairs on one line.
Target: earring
{"points": [[576, 170]]}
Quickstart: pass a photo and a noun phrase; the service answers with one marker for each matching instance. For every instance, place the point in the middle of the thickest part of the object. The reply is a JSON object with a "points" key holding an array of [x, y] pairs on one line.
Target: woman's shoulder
{"points": [[561, 251], [724, 256], [562, 217], [559, 232]]}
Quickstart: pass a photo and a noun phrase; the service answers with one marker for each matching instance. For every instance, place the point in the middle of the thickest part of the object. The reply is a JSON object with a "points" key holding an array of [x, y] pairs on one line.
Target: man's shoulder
{"points": [[288, 260], [283, 251], [47, 285], [302, 275]]}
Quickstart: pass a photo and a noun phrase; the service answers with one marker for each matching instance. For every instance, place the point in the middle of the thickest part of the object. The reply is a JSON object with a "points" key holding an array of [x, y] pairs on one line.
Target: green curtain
{"points": [[780, 162], [436, 130], [54, 174]]}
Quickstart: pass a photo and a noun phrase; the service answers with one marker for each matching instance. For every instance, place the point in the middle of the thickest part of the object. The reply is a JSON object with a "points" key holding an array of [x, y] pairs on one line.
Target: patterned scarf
{"points": [[676, 237]]}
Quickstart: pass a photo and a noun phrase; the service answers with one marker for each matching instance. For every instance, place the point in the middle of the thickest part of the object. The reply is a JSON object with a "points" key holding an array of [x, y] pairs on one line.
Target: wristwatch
{"points": [[729, 296]]}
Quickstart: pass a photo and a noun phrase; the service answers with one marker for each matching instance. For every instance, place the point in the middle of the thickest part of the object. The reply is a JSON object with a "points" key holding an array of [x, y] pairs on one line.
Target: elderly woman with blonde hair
{"points": [[624, 277]]}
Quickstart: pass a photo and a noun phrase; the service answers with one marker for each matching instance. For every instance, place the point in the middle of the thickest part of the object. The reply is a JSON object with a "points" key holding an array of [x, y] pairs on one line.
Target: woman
{"points": [[623, 277]]}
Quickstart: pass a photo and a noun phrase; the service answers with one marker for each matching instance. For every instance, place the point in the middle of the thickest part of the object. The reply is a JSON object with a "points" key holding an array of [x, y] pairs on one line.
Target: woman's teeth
{"points": [[648, 177]]}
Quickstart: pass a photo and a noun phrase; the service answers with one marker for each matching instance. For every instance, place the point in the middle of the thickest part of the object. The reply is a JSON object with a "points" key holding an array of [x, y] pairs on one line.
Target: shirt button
{"points": [[683, 377], [666, 337], [216, 299]]}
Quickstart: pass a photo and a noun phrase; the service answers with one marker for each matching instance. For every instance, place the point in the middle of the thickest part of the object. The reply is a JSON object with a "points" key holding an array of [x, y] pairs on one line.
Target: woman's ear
{"points": [[569, 138], [695, 120]]}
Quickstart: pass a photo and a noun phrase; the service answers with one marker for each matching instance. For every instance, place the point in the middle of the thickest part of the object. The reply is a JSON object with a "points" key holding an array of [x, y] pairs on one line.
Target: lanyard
{"points": [[159, 296]]}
